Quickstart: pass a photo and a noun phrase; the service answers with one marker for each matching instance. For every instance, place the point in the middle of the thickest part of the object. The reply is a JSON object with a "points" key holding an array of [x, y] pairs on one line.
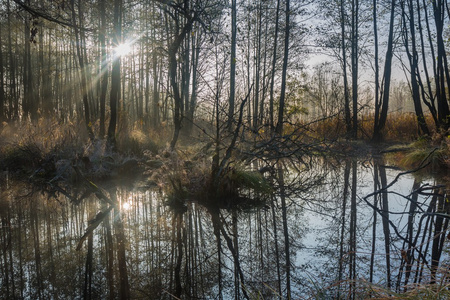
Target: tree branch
{"points": [[43, 15]]}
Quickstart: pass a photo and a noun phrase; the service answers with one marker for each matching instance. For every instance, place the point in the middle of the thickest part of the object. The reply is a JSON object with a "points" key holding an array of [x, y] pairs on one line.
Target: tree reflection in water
{"points": [[326, 230]]}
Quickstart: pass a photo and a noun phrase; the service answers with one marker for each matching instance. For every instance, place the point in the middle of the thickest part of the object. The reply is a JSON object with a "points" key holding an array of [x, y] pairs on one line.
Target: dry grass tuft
{"points": [[361, 289]]}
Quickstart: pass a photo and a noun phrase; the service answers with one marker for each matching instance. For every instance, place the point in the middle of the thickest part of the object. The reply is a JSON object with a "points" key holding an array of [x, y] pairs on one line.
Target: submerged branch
{"points": [[93, 224], [94, 188]]}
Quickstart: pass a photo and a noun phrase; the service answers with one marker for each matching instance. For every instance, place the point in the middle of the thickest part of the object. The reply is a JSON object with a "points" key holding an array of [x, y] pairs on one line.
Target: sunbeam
{"points": [[122, 49]]}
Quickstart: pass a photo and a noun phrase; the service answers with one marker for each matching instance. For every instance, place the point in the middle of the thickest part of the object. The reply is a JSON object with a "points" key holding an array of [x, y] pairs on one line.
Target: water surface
{"points": [[321, 232]]}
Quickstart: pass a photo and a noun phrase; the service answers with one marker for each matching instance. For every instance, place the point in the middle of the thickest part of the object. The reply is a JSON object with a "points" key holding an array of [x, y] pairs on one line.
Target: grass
{"points": [[409, 149], [434, 151], [400, 127], [29, 150], [48, 148], [361, 289], [47, 151]]}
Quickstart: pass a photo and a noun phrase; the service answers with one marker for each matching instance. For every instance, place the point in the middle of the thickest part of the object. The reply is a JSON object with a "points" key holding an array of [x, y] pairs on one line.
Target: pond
{"points": [[345, 229]]}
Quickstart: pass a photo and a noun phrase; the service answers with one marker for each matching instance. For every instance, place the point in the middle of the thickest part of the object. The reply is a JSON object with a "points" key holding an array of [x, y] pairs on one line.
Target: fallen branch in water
{"points": [[93, 224]]}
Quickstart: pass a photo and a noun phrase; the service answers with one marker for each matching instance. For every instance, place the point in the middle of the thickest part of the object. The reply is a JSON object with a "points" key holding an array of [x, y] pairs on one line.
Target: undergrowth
{"points": [[49, 151], [361, 289], [400, 127], [433, 151], [187, 176]]}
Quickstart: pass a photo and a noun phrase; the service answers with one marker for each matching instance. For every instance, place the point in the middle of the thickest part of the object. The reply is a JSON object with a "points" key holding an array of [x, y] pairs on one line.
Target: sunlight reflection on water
{"points": [[319, 220]]}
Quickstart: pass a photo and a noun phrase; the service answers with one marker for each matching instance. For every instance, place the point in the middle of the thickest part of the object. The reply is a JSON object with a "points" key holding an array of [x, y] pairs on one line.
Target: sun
{"points": [[126, 206], [122, 49]]}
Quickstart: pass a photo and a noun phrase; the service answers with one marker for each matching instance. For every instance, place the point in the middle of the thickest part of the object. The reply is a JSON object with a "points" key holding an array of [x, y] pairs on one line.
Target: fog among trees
{"points": [[189, 64]]}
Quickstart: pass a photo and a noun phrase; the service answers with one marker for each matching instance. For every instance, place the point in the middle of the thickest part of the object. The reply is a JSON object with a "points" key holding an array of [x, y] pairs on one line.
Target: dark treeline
{"points": [[193, 62]]}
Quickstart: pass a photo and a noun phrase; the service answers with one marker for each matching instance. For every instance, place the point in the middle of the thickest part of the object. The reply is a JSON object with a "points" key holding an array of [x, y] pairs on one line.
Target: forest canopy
{"points": [[172, 66]]}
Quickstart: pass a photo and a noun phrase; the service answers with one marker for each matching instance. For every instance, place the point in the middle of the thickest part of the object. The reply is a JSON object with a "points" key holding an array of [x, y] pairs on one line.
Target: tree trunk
{"points": [[257, 68], [277, 252], [177, 98], [179, 223], [115, 74], [195, 59], [40, 85], [408, 258], [381, 117], [274, 61], [377, 71], [156, 106], [413, 57], [232, 66], [353, 229], [13, 98], [287, 250], [103, 67], [27, 101], [376, 187], [236, 247], [344, 70], [442, 65], [109, 248], [385, 222], [84, 90], [279, 128], [2, 82], [262, 104], [49, 98], [439, 235], [354, 61], [119, 232], [343, 225]]}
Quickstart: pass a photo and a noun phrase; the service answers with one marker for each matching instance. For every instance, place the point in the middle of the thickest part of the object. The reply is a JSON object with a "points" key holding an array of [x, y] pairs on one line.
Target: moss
{"points": [[250, 180]]}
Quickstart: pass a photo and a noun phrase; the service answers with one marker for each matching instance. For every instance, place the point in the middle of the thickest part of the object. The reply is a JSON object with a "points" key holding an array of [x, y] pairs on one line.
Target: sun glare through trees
{"points": [[123, 49]]}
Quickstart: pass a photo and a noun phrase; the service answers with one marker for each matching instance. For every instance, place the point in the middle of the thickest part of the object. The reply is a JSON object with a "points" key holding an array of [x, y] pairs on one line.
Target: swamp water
{"points": [[340, 238]]}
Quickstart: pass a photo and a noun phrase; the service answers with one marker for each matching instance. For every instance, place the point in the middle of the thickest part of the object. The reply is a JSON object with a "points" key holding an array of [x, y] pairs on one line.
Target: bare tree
{"points": [[115, 73], [174, 46], [382, 104], [103, 66], [232, 65], [409, 36], [279, 127]]}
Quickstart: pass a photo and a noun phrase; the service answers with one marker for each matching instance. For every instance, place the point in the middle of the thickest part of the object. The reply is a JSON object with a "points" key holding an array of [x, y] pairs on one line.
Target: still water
{"points": [[331, 231]]}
